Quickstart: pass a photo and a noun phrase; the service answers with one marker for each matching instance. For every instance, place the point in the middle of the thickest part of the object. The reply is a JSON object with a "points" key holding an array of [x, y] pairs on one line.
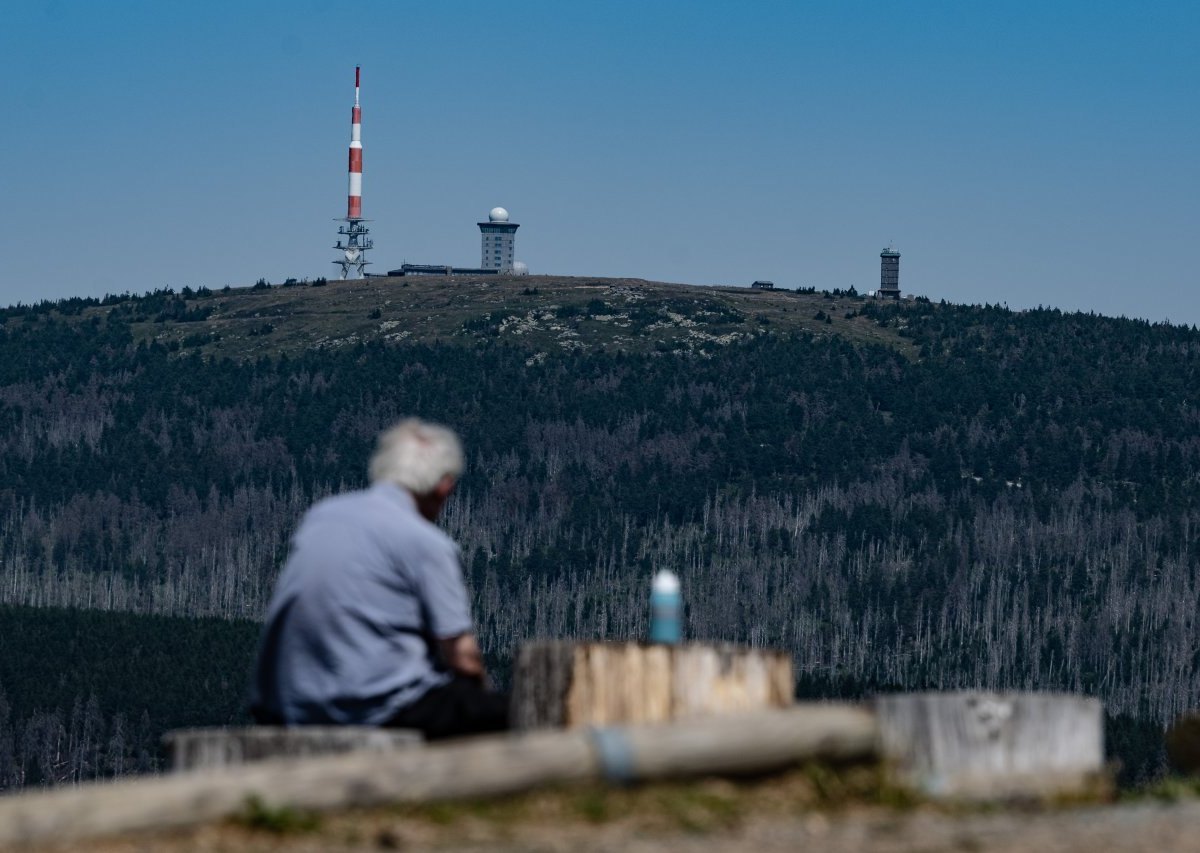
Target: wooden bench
{"points": [[965, 744], [212, 748]]}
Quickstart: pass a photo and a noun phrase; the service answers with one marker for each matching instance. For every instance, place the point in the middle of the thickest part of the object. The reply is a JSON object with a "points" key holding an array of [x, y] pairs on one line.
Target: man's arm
{"points": [[447, 608], [461, 654]]}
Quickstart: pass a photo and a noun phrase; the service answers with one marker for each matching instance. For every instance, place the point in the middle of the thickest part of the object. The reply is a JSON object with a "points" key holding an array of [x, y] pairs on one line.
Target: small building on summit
{"points": [[497, 254], [497, 238], [763, 285], [438, 269]]}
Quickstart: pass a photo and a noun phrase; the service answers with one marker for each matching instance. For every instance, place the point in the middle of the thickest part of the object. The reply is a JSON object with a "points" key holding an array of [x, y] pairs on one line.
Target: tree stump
{"points": [[565, 684], [976, 745], [208, 749]]}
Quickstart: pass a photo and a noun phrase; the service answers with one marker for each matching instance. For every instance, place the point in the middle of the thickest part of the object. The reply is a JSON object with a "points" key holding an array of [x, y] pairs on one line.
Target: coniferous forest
{"points": [[1015, 502], [88, 694]]}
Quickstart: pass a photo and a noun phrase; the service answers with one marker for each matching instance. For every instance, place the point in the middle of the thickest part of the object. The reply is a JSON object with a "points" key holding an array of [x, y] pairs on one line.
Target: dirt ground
{"points": [[810, 809], [1138, 827]]}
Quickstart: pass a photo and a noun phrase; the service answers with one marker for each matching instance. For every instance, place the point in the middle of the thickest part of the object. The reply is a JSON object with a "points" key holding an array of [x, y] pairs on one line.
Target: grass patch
{"points": [[693, 806], [282, 820], [1171, 789]]}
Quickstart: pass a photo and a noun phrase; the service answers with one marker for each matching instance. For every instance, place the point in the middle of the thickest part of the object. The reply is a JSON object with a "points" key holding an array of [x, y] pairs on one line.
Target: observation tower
{"points": [[497, 238], [889, 274]]}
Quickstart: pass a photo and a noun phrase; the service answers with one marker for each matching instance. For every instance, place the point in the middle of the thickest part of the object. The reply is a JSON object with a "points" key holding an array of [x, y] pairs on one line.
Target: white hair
{"points": [[416, 455]]}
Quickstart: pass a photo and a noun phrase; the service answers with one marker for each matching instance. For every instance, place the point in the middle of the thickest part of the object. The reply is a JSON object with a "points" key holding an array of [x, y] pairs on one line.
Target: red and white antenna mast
{"points": [[354, 201], [357, 242]]}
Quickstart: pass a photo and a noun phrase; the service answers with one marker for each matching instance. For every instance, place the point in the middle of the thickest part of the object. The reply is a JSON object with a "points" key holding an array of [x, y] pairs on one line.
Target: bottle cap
{"points": [[665, 583]]}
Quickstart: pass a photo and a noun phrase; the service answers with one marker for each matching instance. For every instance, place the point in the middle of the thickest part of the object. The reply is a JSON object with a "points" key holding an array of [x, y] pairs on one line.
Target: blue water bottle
{"points": [[666, 609]]}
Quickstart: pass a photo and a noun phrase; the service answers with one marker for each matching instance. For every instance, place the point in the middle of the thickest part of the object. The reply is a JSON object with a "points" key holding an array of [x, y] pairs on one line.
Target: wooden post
{"points": [[977, 745], [564, 684]]}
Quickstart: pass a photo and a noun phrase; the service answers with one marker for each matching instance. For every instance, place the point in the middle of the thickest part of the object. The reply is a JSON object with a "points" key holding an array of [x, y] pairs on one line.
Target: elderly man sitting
{"points": [[370, 622]]}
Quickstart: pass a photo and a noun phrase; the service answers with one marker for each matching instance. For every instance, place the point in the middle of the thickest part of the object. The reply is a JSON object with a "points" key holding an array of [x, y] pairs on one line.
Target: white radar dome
{"points": [[520, 268], [498, 214]]}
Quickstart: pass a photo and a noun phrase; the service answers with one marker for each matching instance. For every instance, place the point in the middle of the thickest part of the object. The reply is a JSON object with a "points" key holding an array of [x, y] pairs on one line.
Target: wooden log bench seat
{"points": [[967, 744], [213, 748], [964, 744]]}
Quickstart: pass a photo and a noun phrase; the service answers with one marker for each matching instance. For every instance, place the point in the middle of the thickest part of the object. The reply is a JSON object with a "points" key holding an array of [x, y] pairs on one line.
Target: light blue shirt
{"points": [[351, 631]]}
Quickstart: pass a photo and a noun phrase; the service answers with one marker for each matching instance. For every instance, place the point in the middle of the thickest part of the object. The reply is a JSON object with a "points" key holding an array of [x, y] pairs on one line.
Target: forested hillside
{"points": [[89, 694], [901, 494]]}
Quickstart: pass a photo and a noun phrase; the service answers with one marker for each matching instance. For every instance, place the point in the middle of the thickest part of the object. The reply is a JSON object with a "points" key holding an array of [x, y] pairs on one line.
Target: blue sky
{"points": [[1028, 153]]}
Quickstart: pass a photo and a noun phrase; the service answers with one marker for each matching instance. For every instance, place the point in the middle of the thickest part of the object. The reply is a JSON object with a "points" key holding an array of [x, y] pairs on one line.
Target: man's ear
{"points": [[444, 487]]}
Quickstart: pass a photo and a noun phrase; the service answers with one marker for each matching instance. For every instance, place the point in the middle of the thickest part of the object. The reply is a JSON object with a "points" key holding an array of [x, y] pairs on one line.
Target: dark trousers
{"points": [[462, 706]]}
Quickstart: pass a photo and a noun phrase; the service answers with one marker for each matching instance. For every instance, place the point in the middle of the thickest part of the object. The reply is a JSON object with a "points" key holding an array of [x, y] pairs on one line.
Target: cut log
{"points": [[975, 745], [564, 684], [199, 749], [472, 767]]}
